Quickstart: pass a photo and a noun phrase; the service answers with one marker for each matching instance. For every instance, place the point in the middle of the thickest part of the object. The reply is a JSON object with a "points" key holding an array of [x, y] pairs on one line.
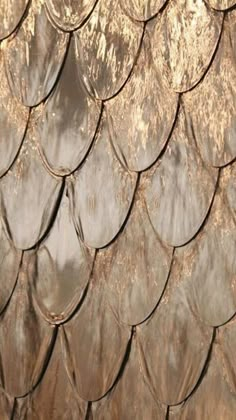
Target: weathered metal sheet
{"points": [[226, 339], [142, 10], [13, 123], [221, 4], [29, 196], [94, 342], [180, 191], [11, 12], [213, 274], [217, 142], [34, 56], [136, 279], [25, 340], [184, 41], [159, 68], [62, 268], [10, 259], [137, 400], [61, 402], [142, 115], [107, 47], [69, 14], [212, 398], [64, 142], [174, 343], [230, 174], [6, 405], [101, 193]]}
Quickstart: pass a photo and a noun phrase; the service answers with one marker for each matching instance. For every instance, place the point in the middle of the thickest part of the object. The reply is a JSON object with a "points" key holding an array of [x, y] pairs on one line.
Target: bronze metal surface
{"points": [[69, 14], [180, 191], [117, 210], [64, 142]]}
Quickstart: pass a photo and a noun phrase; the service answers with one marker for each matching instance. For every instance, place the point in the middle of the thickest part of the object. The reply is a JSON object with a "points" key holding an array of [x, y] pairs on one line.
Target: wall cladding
{"points": [[118, 209]]}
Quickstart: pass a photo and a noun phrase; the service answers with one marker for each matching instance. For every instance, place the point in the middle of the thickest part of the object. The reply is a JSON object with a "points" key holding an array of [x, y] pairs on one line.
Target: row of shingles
{"points": [[95, 377], [25, 338], [34, 239], [95, 367], [204, 334], [120, 281], [218, 231], [201, 331]]}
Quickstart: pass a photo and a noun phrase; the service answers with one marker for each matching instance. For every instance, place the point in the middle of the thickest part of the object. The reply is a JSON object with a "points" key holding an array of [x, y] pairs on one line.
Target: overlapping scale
{"points": [[69, 14], [101, 193], [137, 400], [180, 190], [94, 342], [62, 268], [215, 99], [226, 339], [141, 116], [107, 47], [142, 10], [13, 122], [10, 259], [184, 41], [231, 18], [6, 404], [230, 173], [11, 12], [34, 56], [25, 340], [138, 268], [174, 343], [213, 271], [211, 400], [29, 196], [61, 401], [221, 4], [67, 121]]}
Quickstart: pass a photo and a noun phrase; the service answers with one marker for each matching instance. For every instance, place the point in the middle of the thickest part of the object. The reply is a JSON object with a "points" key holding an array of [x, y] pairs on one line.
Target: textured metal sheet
{"points": [[62, 268], [34, 56], [142, 10], [180, 191], [186, 34], [61, 403], [11, 12], [137, 400], [221, 4], [64, 142], [29, 196], [69, 14], [25, 340], [101, 194], [107, 47], [217, 142], [212, 398], [10, 259], [6, 405], [94, 341], [136, 279], [214, 264], [13, 122], [135, 174], [142, 115], [174, 343]]}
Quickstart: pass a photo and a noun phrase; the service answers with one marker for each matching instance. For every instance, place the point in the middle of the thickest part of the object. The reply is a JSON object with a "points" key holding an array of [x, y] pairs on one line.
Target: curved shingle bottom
{"points": [[117, 210]]}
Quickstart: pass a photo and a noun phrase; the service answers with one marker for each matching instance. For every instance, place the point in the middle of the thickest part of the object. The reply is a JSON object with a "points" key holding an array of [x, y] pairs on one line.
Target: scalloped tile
{"points": [[33, 58], [107, 47]]}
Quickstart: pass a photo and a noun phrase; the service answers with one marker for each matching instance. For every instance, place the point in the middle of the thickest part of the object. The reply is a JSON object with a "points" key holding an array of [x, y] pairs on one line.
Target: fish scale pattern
{"points": [[117, 209]]}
